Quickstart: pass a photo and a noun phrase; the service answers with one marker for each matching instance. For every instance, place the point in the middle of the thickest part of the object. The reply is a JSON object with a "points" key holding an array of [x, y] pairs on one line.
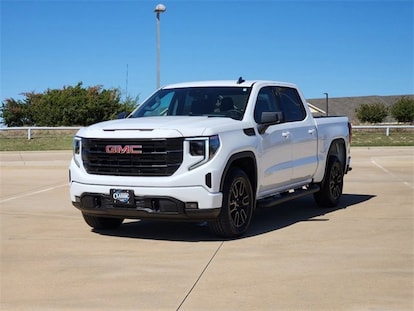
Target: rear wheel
{"points": [[332, 184], [238, 204], [102, 222]]}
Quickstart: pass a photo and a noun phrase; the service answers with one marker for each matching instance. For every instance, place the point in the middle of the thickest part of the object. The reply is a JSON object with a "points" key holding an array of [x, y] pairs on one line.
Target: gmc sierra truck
{"points": [[209, 151]]}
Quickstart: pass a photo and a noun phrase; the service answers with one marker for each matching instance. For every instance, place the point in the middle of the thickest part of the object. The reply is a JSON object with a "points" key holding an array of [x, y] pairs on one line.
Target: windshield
{"points": [[196, 101]]}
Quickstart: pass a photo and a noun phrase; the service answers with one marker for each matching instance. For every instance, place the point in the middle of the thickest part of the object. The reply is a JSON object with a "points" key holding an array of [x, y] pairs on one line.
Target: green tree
{"points": [[403, 109], [15, 113], [72, 105], [372, 113]]}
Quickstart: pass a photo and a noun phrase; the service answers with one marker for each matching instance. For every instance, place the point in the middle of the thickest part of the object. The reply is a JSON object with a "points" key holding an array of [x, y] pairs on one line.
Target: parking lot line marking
{"points": [[28, 194], [391, 174], [201, 274]]}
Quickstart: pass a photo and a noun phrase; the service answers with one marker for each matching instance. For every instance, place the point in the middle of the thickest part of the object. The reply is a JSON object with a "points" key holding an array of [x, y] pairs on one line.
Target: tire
{"points": [[332, 184], [102, 222], [238, 205]]}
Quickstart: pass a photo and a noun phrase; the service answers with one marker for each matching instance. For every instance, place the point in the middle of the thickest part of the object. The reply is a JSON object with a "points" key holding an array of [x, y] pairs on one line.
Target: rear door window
{"points": [[290, 104]]}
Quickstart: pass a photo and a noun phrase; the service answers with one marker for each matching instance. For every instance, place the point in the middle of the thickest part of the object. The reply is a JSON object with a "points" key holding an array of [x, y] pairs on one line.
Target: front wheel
{"points": [[332, 184], [237, 208], [102, 222]]}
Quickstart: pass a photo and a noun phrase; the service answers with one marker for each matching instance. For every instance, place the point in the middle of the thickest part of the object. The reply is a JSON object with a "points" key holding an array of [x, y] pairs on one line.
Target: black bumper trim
{"points": [[145, 207]]}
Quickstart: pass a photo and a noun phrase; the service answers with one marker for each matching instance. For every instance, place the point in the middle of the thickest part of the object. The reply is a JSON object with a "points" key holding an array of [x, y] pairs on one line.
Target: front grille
{"points": [[157, 157]]}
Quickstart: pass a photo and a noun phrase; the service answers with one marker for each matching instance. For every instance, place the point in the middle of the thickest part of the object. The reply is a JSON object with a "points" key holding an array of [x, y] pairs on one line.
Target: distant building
{"points": [[315, 110]]}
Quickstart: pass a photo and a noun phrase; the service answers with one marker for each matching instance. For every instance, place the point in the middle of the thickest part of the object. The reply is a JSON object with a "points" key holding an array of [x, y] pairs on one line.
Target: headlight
{"points": [[77, 152], [203, 147], [198, 148]]}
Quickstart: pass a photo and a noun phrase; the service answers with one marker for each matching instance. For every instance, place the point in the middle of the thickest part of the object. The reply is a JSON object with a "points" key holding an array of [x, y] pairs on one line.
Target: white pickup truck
{"points": [[209, 151]]}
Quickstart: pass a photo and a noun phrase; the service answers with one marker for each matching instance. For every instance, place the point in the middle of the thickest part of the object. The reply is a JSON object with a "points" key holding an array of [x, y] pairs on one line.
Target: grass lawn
{"points": [[16, 140], [371, 138], [62, 142]]}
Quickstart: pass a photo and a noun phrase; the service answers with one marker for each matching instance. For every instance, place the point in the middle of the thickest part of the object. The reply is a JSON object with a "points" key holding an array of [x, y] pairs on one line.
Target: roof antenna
{"points": [[240, 81]]}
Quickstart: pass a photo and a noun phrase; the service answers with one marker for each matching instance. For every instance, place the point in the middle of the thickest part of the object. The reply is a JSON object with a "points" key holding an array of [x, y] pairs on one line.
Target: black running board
{"points": [[278, 199]]}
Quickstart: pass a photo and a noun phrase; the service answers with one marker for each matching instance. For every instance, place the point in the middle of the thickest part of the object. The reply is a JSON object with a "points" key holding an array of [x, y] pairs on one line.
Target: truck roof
{"points": [[226, 83]]}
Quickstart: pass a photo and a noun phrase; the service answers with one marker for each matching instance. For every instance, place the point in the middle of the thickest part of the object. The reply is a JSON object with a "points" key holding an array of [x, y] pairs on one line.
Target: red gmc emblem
{"points": [[129, 149]]}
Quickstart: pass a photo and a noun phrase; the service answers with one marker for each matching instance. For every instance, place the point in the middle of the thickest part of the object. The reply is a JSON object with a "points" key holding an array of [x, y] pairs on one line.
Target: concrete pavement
{"points": [[296, 256]]}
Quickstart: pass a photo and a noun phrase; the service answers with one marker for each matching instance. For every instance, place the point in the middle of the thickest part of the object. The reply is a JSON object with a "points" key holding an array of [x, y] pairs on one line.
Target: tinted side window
{"points": [[291, 104], [265, 102]]}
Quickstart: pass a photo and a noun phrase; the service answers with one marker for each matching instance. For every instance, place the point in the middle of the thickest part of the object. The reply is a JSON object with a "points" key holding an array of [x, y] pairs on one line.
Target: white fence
{"points": [[29, 129], [387, 128]]}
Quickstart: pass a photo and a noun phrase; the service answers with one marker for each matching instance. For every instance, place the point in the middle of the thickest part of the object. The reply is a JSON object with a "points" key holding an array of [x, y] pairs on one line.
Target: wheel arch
{"points": [[246, 161], [338, 149]]}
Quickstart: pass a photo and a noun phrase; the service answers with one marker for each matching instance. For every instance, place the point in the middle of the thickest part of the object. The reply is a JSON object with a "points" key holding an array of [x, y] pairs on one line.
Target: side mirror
{"points": [[270, 118]]}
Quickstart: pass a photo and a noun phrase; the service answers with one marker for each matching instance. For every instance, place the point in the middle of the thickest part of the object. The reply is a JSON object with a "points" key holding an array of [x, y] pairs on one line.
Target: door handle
{"points": [[311, 131], [286, 134]]}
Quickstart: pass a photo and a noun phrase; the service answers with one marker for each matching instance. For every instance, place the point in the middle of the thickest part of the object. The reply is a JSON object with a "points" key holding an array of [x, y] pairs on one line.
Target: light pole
{"points": [[326, 95], [160, 8]]}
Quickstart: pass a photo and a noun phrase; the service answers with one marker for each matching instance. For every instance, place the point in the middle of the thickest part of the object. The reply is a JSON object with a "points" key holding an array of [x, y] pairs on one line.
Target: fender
{"points": [[246, 160]]}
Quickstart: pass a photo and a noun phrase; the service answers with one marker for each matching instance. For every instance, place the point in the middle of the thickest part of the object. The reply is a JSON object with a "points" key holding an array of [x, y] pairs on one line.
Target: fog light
{"points": [[191, 205]]}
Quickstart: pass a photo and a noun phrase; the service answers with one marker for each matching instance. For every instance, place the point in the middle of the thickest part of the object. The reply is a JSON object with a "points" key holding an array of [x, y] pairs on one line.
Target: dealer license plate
{"points": [[122, 197]]}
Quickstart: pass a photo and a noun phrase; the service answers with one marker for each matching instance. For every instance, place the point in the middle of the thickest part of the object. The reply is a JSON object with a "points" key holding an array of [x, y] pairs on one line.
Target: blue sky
{"points": [[345, 48]]}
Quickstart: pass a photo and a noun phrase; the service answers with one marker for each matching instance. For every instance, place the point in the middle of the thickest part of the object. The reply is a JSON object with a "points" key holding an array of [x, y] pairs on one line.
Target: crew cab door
{"points": [[275, 165], [302, 133]]}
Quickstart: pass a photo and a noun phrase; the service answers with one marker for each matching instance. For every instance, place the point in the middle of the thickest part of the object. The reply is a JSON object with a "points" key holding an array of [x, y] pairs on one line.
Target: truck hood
{"points": [[161, 127]]}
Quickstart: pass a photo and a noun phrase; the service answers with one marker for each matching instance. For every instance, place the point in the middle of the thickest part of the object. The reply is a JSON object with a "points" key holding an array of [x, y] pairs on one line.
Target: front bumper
{"points": [[185, 203]]}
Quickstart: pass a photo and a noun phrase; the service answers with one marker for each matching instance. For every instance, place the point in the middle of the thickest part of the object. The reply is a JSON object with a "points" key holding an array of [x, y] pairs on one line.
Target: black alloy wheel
{"points": [[238, 205]]}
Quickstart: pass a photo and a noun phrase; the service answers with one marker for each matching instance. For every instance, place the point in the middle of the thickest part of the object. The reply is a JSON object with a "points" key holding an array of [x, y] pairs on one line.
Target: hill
{"points": [[347, 106]]}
